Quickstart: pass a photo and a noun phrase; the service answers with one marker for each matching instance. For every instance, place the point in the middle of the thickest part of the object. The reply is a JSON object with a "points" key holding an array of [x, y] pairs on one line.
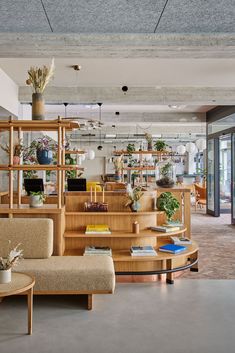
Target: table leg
{"points": [[169, 276], [1, 299], [30, 310], [193, 257]]}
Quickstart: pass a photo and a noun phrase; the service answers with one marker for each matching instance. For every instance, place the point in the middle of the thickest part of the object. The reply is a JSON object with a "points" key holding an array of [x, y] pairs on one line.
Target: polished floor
{"points": [[188, 317]]}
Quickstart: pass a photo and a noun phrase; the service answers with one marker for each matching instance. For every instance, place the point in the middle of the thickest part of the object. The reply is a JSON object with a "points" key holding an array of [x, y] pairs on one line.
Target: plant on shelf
{"points": [[168, 203], [18, 150], [36, 199], [130, 147], [8, 262], [118, 165], [165, 174], [38, 79], [160, 145], [43, 147], [149, 139], [134, 196]]}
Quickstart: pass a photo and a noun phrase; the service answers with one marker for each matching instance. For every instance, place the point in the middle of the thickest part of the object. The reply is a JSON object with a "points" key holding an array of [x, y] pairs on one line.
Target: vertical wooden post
{"points": [[11, 138], [187, 210], [63, 163], [19, 175], [59, 183], [169, 276]]}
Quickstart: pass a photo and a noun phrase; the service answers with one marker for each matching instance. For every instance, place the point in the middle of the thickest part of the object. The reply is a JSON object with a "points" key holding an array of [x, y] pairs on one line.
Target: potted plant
{"points": [[44, 148], [160, 145], [134, 197], [165, 174], [7, 263], [118, 165], [38, 80], [18, 150], [36, 199], [130, 147], [149, 139], [168, 203]]}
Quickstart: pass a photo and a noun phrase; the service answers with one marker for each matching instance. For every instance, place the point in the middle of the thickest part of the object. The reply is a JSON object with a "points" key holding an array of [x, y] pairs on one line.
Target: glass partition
{"points": [[233, 178], [212, 178], [225, 173]]}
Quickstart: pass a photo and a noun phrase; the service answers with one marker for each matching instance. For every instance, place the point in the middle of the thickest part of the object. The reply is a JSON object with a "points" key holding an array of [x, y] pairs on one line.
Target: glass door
{"points": [[233, 179], [225, 173], [212, 177]]}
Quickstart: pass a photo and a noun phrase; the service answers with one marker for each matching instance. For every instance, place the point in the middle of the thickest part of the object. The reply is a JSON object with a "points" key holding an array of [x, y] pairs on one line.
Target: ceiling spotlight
{"points": [[99, 148], [77, 67], [117, 113], [124, 89]]}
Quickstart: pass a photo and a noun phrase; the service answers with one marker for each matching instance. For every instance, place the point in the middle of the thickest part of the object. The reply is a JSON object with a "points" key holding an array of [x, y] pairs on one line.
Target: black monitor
{"points": [[34, 185], [78, 184]]}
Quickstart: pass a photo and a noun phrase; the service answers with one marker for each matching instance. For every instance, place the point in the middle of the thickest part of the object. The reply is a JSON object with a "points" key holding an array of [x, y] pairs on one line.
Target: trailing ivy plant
{"points": [[168, 203]]}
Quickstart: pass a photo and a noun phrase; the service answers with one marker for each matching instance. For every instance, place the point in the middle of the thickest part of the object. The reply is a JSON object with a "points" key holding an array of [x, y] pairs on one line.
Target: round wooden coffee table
{"points": [[21, 283]]}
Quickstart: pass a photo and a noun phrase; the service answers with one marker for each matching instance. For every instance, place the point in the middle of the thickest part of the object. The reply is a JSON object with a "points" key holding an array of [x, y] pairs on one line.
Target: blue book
{"points": [[172, 248]]}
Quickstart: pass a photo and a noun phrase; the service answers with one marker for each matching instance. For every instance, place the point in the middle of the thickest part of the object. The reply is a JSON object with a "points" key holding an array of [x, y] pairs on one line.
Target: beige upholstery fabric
{"points": [[34, 234], [71, 273]]}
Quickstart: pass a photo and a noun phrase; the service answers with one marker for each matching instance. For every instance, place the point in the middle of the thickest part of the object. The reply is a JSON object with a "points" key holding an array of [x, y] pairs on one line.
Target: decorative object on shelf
{"points": [[201, 144], [168, 203], [6, 264], [134, 197], [149, 139], [118, 165], [136, 227], [94, 206], [181, 149], [130, 147], [18, 150], [160, 145], [165, 173], [38, 79], [190, 147], [36, 199], [44, 148]]}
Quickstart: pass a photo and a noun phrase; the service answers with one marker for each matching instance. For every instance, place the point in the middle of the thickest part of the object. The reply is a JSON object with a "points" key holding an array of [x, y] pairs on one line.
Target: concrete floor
{"points": [[190, 316]]}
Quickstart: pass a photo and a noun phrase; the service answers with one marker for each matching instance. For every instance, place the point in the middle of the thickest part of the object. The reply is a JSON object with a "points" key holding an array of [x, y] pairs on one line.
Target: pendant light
{"points": [[190, 147], [181, 149], [100, 147], [201, 144]]}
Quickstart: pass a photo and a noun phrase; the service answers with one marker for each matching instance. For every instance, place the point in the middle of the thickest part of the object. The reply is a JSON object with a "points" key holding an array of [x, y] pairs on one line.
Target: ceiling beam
{"points": [[136, 95], [26, 45]]}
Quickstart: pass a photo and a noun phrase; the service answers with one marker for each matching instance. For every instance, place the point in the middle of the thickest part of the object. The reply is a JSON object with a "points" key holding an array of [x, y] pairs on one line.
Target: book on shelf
{"points": [[97, 229], [181, 241], [147, 250], [97, 250], [172, 248], [165, 229], [174, 223]]}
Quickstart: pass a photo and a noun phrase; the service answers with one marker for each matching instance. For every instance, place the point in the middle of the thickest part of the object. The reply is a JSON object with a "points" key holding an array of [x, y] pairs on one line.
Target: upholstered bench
{"points": [[55, 274]]}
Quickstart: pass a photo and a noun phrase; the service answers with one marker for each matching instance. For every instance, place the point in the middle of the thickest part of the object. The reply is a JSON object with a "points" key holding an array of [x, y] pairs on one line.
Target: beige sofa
{"points": [[55, 274]]}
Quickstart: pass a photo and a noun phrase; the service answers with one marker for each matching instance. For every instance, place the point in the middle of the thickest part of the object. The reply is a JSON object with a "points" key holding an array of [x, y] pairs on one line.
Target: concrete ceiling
{"points": [[117, 16]]}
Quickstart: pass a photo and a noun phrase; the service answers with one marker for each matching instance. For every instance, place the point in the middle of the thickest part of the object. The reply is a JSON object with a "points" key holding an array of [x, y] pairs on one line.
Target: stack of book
{"points": [[165, 228], [172, 248], [143, 251], [97, 250], [97, 229], [181, 241]]}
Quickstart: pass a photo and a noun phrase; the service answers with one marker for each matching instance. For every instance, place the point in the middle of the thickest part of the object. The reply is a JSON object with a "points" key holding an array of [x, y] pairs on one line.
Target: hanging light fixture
{"points": [[201, 144], [181, 149], [190, 147], [100, 147], [90, 154]]}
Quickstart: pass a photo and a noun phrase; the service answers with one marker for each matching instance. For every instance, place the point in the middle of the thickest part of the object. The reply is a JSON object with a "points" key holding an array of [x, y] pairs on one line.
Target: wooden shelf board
{"points": [[25, 208], [38, 125], [134, 214], [147, 233], [39, 167], [139, 168], [74, 152], [125, 256], [141, 152]]}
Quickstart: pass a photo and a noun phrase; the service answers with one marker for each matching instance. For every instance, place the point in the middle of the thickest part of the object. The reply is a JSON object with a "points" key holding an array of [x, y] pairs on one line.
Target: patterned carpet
{"points": [[216, 239]]}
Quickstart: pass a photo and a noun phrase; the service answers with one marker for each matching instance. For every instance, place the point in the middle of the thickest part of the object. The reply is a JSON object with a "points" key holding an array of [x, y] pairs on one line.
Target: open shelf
{"points": [[39, 167], [121, 213], [25, 208], [121, 234]]}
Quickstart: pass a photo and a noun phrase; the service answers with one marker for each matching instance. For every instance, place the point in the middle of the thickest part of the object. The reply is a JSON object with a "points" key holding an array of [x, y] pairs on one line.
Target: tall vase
{"points": [[150, 146], [38, 108]]}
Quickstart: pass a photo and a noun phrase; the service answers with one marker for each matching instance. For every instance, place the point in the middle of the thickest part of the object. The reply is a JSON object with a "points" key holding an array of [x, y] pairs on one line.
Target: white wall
{"points": [[8, 94]]}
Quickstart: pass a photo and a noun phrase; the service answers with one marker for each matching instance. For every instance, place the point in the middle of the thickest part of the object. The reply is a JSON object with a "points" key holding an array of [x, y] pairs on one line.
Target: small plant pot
{"points": [[44, 156], [5, 276], [16, 160], [35, 201]]}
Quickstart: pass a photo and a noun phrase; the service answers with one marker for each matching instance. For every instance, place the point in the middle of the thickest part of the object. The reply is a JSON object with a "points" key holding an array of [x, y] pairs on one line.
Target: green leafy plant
{"points": [[130, 147], [41, 195], [160, 145], [168, 203]]}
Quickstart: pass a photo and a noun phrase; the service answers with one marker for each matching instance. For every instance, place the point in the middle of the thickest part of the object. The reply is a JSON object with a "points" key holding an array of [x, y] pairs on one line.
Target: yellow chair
{"points": [[94, 185]]}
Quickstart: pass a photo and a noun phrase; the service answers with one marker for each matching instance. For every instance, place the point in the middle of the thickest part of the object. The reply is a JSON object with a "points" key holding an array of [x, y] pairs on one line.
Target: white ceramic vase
{"points": [[5, 276], [35, 201]]}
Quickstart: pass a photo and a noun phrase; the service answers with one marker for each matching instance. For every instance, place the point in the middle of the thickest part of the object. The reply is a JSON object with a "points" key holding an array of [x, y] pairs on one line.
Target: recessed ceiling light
{"points": [[173, 106], [194, 118], [110, 136]]}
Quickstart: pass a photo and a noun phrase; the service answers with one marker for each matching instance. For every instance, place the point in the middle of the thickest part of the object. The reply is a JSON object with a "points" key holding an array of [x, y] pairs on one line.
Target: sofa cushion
{"points": [[71, 273], [34, 234]]}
